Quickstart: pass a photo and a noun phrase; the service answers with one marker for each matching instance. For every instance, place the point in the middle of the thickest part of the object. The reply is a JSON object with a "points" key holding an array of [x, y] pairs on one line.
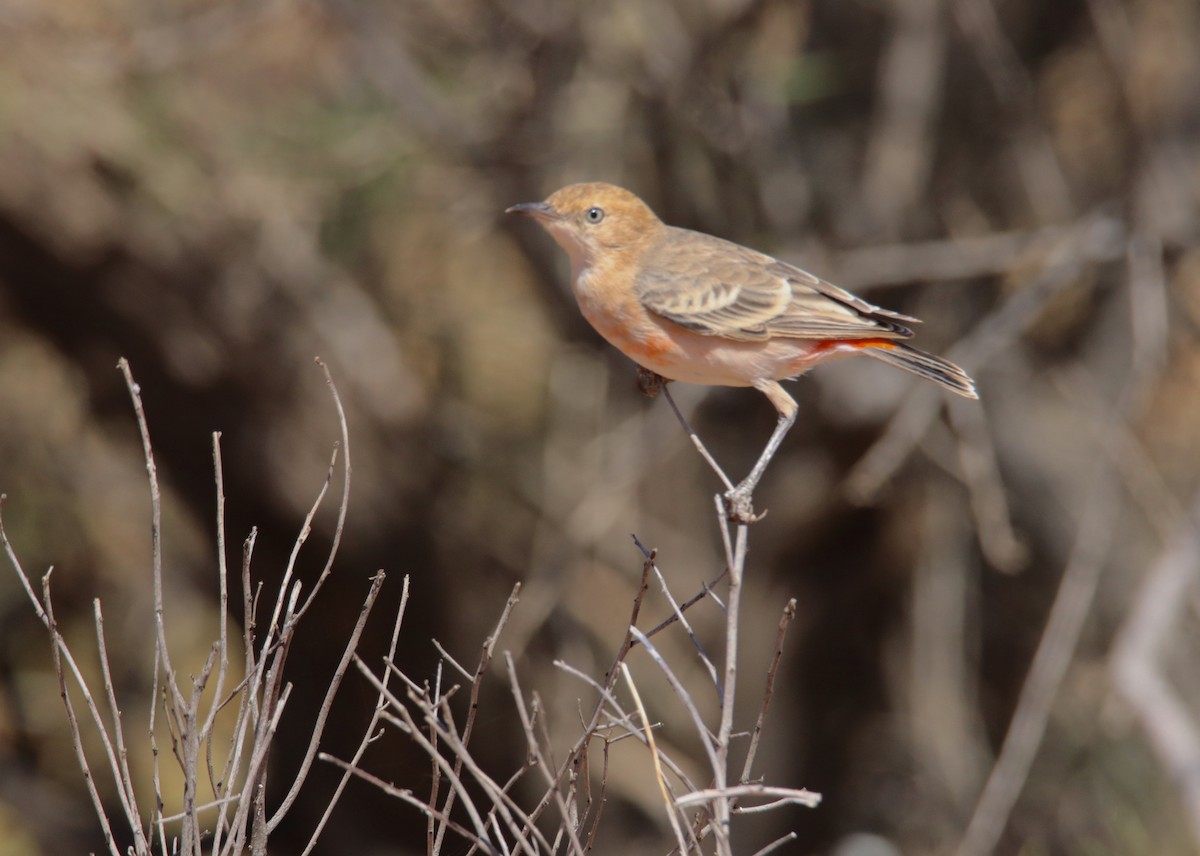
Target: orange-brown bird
{"points": [[698, 309]]}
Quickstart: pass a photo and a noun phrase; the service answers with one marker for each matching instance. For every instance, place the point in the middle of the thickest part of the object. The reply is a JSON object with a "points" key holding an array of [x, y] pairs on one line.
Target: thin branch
{"points": [[624, 720], [344, 505], [785, 621], [485, 659], [782, 797], [663, 787], [776, 844], [575, 755], [60, 652], [722, 806], [323, 714], [705, 592], [707, 739], [406, 795], [518, 822], [135, 395], [368, 733], [285, 584], [223, 610], [601, 801], [552, 780], [125, 787], [677, 613], [1061, 265]]}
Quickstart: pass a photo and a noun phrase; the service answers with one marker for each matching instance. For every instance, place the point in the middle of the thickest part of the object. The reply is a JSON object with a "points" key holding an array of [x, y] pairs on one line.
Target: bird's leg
{"points": [[739, 500], [700, 447]]}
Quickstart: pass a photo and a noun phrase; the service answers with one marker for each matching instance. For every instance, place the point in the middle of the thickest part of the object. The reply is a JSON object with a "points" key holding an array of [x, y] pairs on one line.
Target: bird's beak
{"points": [[538, 210]]}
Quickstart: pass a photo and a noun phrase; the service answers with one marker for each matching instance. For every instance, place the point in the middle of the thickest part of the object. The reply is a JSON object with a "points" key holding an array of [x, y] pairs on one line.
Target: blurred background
{"points": [[222, 190]]}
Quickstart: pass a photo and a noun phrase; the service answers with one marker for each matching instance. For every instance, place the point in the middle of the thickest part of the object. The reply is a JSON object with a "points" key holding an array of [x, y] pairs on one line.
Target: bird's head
{"points": [[590, 220]]}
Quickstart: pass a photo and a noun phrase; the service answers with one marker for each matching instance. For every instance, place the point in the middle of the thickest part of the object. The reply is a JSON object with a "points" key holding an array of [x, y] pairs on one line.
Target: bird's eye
{"points": [[594, 215]]}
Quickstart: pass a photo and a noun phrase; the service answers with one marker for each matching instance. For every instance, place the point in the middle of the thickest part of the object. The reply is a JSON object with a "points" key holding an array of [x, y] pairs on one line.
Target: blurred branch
{"points": [[1046, 188], [960, 258], [191, 37], [389, 66], [998, 330], [1076, 590], [1071, 606], [979, 467], [900, 150], [1137, 670]]}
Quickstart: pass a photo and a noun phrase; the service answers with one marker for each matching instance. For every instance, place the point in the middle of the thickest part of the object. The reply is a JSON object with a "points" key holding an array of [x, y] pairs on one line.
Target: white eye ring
{"points": [[594, 215]]}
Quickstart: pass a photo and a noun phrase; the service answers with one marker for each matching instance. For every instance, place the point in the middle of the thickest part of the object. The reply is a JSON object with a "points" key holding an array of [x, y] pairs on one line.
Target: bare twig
{"points": [[552, 780], [485, 659], [262, 695], [125, 786], [663, 787], [707, 738], [155, 531], [406, 795], [323, 714], [223, 608], [781, 797], [623, 719], [785, 621], [706, 591], [722, 805], [61, 653], [369, 732], [344, 505], [776, 844], [677, 613]]}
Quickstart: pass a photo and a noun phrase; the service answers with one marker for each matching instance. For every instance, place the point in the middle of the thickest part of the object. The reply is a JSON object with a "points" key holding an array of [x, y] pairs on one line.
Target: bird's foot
{"points": [[650, 383], [739, 506]]}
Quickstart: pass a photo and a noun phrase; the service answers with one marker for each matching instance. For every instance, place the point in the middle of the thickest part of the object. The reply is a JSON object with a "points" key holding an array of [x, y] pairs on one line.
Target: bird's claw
{"points": [[650, 383], [739, 507]]}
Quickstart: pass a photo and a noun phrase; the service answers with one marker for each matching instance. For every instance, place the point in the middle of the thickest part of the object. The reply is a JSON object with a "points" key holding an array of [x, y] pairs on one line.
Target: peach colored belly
{"points": [[679, 354]]}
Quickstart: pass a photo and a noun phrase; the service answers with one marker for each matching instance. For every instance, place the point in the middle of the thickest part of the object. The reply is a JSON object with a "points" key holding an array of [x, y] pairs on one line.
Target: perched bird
{"points": [[698, 309]]}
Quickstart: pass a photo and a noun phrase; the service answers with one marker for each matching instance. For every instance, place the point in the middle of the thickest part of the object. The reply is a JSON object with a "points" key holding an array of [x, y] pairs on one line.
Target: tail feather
{"points": [[942, 372]]}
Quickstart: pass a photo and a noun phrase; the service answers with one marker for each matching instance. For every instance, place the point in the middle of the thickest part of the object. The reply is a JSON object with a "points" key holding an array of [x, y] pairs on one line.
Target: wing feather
{"points": [[718, 288]]}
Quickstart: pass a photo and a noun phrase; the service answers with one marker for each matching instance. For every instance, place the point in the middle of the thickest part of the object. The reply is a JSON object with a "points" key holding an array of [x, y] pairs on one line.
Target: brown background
{"points": [[220, 191]]}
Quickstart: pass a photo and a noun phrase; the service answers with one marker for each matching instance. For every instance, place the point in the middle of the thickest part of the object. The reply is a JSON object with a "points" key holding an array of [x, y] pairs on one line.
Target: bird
{"points": [[695, 308]]}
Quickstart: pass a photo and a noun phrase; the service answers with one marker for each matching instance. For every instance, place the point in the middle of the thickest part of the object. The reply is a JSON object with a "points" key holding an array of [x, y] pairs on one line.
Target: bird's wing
{"points": [[718, 288]]}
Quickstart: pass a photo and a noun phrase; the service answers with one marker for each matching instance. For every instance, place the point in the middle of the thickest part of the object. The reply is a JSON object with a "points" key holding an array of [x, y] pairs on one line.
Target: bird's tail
{"points": [[942, 372]]}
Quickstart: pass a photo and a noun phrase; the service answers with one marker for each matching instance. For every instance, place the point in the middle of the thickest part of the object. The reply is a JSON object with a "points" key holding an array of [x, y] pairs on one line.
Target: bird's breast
{"points": [[608, 302]]}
